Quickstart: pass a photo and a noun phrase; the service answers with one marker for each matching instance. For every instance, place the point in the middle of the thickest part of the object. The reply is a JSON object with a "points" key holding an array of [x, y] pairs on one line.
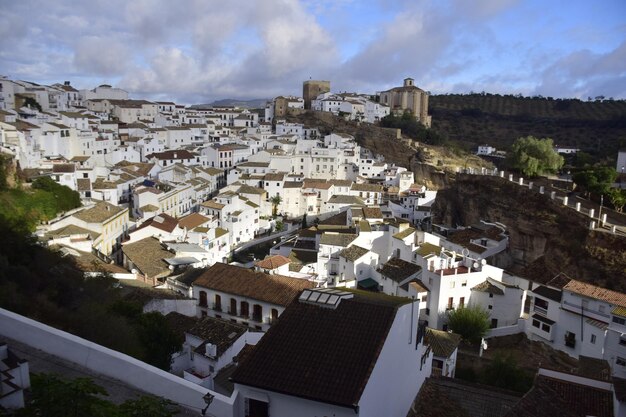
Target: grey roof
{"points": [[337, 239], [352, 253], [442, 343], [346, 199]]}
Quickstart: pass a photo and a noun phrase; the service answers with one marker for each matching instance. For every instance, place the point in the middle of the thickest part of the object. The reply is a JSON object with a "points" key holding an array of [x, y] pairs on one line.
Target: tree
{"points": [[503, 371], [471, 323], [533, 157], [66, 198], [54, 396], [280, 226], [276, 200], [597, 180], [618, 199]]}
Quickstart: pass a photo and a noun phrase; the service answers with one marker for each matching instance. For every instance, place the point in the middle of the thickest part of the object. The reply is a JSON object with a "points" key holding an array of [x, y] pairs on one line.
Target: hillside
{"points": [[433, 166], [597, 127], [545, 237]]}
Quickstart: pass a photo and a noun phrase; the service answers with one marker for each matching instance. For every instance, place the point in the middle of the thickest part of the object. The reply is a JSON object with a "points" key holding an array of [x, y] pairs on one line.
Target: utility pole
{"points": [[600, 212]]}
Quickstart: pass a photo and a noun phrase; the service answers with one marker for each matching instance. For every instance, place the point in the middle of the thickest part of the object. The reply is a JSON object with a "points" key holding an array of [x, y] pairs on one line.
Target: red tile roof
{"points": [[274, 289], [273, 262]]}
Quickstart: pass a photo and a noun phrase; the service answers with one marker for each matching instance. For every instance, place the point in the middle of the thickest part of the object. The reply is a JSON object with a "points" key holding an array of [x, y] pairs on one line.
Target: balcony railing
{"points": [[217, 307], [257, 317], [577, 308], [541, 310]]}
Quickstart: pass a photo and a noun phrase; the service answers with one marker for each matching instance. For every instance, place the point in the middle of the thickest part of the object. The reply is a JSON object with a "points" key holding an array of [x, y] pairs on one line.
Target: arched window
{"points": [[218, 303], [274, 314], [257, 313], [244, 312], [233, 307], [203, 302]]}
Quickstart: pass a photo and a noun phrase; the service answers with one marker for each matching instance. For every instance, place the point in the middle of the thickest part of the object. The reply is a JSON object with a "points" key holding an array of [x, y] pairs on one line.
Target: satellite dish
{"points": [[475, 265], [483, 262]]}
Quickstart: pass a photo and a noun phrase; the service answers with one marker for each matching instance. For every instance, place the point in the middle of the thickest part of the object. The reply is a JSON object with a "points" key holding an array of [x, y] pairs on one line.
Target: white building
{"points": [[254, 299], [337, 353]]}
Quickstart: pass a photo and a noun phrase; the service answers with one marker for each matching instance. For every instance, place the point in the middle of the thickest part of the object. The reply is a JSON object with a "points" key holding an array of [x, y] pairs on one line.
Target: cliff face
{"points": [[545, 238]]}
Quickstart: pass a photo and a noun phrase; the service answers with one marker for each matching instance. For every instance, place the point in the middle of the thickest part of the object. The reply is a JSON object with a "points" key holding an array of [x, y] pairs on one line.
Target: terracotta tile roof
{"points": [[426, 249], [319, 353], [273, 262], [555, 397], [247, 189], [442, 343], [83, 184], [405, 233], [99, 213], [279, 176], [192, 221], [171, 154], [398, 270], [218, 332], [352, 253], [63, 168], [346, 199], [275, 289], [162, 221], [451, 397], [292, 184], [147, 255], [337, 239], [339, 219], [372, 213], [367, 187], [487, 286], [213, 204], [593, 291]]}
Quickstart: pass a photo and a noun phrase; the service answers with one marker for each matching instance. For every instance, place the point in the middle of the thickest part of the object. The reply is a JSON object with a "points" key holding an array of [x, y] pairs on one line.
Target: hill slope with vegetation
{"points": [[597, 127]]}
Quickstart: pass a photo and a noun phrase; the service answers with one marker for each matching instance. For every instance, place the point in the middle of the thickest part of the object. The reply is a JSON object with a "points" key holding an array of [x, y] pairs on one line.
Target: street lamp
{"points": [[208, 399]]}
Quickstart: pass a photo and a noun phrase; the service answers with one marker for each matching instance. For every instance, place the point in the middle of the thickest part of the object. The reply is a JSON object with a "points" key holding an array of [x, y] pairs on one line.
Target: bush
{"points": [[471, 323], [533, 157]]}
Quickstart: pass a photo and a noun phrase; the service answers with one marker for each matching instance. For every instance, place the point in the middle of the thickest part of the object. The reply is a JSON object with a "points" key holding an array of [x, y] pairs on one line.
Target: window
{"points": [[464, 284], [452, 284], [619, 320], [218, 303], [536, 324], [450, 303], [256, 408], [620, 361], [570, 339], [490, 295], [490, 307], [233, 306], [545, 328], [462, 302], [494, 323], [593, 339], [622, 340], [244, 309], [203, 302]]}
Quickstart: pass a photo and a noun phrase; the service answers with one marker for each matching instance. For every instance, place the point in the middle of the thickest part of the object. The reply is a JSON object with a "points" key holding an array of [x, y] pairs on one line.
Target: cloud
{"points": [[204, 50]]}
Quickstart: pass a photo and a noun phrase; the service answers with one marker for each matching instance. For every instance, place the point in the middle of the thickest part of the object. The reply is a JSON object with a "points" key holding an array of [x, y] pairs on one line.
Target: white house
{"points": [[254, 299], [336, 353]]}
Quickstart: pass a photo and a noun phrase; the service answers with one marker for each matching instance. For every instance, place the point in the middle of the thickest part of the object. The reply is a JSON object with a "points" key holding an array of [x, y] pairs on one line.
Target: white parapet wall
{"points": [[113, 364]]}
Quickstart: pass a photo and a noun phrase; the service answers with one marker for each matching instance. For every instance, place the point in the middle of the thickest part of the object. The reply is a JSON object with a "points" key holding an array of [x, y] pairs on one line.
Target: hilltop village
{"points": [[348, 311]]}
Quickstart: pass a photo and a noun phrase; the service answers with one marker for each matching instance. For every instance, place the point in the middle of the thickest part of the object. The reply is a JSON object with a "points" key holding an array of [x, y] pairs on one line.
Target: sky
{"points": [[197, 51]]}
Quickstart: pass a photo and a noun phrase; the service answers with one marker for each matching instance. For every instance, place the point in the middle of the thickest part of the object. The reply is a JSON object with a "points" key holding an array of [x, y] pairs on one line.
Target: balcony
{"points": [[257, 317], [217, 307], [540, 310]]}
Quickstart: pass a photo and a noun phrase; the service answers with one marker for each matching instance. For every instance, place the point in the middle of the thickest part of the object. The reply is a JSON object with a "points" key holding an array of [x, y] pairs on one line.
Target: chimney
{"points": [[66, 83], [211, 350]]}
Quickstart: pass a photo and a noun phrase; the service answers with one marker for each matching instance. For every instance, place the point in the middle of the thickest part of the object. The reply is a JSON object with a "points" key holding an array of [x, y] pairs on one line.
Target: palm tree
{"points": [[276, 200]]}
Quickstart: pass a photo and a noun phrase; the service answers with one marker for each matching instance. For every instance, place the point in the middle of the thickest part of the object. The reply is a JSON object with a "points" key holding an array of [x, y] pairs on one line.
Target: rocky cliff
{"points": [[545, 237]]}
